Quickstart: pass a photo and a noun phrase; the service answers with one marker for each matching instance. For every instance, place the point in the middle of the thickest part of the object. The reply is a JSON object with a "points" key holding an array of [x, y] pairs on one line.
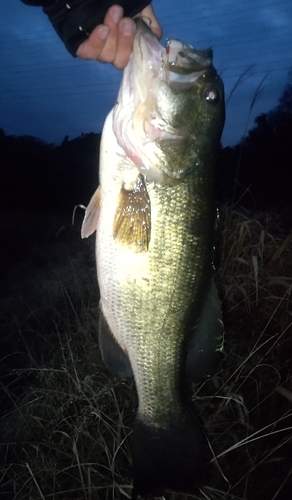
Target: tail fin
{"points": [[169, 458]]}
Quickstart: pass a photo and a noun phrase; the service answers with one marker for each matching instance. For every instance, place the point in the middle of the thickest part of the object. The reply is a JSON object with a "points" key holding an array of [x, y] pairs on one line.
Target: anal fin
{"points": [[114, 357], [207, 339]]}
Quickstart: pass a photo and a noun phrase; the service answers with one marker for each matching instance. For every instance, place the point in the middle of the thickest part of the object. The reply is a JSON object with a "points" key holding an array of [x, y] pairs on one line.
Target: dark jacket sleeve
{"points": [[74, 20]]}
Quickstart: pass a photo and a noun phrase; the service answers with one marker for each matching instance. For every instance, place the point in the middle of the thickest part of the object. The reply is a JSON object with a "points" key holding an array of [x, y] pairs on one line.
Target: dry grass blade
{"points": [[66, 422]]}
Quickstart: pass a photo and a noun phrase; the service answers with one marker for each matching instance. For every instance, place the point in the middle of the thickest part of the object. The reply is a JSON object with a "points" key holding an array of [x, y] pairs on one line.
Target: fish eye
{"points": [[212, 95]]}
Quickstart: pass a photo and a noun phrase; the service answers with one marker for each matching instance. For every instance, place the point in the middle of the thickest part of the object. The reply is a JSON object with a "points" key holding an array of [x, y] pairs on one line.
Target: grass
{"points": [[66, 422]]}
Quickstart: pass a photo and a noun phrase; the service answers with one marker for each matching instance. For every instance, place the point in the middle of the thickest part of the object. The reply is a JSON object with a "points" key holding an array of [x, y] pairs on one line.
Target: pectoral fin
{"points": [[114, 357], [206, 342], [132, 222], [90, 220]]}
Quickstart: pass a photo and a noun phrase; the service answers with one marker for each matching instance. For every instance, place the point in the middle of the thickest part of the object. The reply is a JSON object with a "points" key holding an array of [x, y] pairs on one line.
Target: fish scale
{"points": [[156, 306], [174, 286]]}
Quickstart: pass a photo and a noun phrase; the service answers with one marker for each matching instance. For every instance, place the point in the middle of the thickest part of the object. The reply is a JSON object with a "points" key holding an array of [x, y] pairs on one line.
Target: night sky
{"points": [[46, 93]]}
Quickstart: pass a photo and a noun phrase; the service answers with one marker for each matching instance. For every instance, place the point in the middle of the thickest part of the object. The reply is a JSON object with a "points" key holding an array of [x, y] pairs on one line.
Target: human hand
{"points": [[113, 41]]}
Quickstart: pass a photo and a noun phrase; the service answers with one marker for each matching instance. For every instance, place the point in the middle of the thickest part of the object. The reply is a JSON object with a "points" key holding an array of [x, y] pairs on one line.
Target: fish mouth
{"points": [[139, 124], [177, 62], [184, 59], [178, 65], [184, 65]]}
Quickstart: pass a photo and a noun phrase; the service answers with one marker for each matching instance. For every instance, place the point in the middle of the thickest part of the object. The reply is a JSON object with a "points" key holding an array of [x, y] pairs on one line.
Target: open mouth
{"points": [[183, 64]]}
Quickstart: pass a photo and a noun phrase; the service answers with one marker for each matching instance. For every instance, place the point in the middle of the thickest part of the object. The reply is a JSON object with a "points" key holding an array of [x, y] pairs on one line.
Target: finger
{"points": [[113, 16], [112, 19], [93, 46], [126, 32]]}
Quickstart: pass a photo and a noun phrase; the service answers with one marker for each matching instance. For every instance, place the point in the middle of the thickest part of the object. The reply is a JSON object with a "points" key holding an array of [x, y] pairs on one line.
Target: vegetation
{"points": [[66, 423], [45, 177], [257, 172]]}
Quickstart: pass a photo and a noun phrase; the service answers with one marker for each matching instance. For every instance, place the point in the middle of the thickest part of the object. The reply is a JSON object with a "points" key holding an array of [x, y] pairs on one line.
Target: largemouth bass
{"points": [[160, 316]]}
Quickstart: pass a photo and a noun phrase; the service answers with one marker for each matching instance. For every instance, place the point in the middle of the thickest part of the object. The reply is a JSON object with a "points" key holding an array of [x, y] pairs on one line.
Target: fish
{"points": [[154, 213]]}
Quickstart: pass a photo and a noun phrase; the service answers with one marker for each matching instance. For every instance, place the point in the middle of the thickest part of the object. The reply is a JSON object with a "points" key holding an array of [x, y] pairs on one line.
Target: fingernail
{"points": [[128, 27], [103, 32], [117, 13]]}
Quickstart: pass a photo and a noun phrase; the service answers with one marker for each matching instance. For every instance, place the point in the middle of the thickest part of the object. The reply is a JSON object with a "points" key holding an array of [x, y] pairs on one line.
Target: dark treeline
{"points": [[37, 176], [257, 173], [40, 186]]}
